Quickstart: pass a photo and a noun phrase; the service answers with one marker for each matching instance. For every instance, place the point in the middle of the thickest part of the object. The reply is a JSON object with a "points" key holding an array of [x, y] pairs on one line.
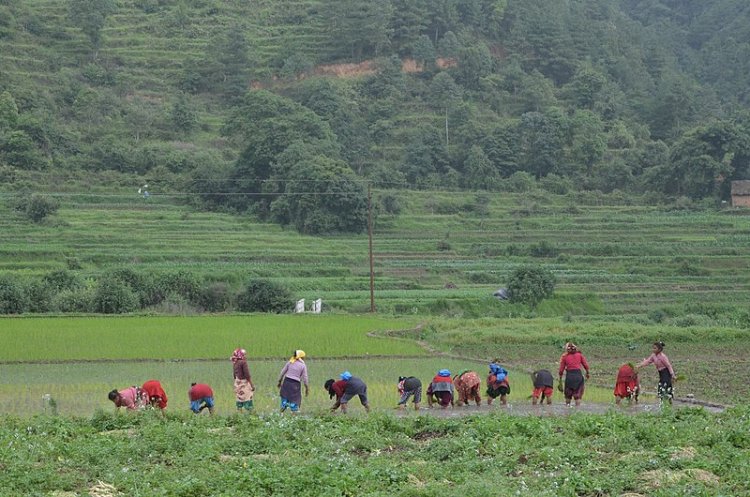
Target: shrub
{"points": [[76, 300], [390, 204], [37, 207], [39, 296], [264, 296], [543, 249], [114, 297], [13, 299], [216, 297], [443, 245], [530, 285], [61, 280]]}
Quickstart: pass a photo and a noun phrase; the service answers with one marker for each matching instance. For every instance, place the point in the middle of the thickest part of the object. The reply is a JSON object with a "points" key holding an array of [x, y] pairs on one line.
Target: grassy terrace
{"points": [[602, 261]]}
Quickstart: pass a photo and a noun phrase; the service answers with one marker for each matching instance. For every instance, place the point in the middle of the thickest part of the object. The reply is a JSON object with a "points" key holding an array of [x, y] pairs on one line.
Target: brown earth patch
{"points": [[349, 70]]}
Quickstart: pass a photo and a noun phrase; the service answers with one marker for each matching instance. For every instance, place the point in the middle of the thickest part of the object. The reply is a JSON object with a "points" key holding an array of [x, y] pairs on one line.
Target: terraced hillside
{"points": [[437, 256]]}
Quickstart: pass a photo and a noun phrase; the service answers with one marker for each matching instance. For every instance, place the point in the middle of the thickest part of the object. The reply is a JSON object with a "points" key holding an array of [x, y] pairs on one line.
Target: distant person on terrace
{"points": [[571, 363], [243, 382], [293, 375]]}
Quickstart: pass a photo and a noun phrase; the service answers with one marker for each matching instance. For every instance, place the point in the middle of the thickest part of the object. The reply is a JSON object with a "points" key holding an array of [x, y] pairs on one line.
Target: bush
{"points": [[77, 300], [264, 296], [13, 299], [216, 297], [543, 249], [61, 280], [530, 285], [114, 297], [37, 207], [39, 296]]}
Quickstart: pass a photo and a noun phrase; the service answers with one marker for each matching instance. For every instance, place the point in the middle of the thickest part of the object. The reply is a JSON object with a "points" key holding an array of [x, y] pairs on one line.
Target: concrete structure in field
{"points": [[741, 193]]}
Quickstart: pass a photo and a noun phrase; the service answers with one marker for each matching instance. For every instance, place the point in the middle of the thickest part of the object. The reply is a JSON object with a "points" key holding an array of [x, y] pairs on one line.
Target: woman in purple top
{"points": [[293, 376], [666, 373]]}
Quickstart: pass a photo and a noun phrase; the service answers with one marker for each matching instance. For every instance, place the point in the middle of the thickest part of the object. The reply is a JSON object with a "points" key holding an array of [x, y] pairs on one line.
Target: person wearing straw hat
{"points": [[293, 375]]}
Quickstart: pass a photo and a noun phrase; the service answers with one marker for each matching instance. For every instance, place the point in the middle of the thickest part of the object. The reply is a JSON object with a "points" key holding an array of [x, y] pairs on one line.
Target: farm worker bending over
{"points": [[409, 386], [293, 375], [497, 383], [467, 383], [243, 383], [627, 386], [666, 373], [543, 386], [570, 363], [132, 398], [156, 395], [345, 389], [441, 389], [201, 397]]}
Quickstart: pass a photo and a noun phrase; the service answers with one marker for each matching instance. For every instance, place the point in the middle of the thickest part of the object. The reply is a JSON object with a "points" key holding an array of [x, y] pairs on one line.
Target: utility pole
{"points": [[369, 235]]}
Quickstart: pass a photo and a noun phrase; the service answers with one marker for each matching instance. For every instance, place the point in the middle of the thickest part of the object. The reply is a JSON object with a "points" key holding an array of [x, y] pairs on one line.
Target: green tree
{"points": [[319, 195], [424, 52], [90, 16], [13, 299], [183, 116], [8, 111], [264, 124], [479, 171], [264, 296], [408, 22], [542, 141], [530, 285], [707, 158]]}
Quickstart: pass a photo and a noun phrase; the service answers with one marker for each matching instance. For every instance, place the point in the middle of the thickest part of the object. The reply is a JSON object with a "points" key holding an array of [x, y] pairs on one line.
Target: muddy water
{"points": [[555, 409]]}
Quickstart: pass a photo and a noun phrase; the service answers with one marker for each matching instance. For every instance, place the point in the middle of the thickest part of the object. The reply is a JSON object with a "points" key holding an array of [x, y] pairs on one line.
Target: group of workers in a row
{"points": [[442, 389]]}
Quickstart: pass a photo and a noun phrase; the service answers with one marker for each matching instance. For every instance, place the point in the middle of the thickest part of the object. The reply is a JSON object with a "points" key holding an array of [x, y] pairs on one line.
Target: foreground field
{"points": [[687, 452]]}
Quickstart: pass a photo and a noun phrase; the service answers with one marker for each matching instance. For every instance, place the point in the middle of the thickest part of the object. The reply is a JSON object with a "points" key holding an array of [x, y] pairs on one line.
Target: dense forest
{"points": [[288, 108]]}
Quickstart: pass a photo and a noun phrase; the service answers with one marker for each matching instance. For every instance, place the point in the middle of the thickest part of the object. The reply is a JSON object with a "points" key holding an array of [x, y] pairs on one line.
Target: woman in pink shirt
{"points": [[570, 364], [132, 398], [666, 373]]}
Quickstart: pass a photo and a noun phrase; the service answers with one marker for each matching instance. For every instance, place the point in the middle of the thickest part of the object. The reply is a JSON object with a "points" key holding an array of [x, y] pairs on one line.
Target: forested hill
{"points": [[234, 96]]}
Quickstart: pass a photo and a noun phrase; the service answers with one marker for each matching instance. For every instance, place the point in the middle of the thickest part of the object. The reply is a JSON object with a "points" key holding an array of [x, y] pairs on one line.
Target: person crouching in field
{"points": [[201, 397], [441, 389], [409, 386], [345, 389], [131, 398], [243, 382], [467, 383], [156, 395], [497, 383], [666, 373], [571, 363], [293, 375], [628, 386], [544, 384]]}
